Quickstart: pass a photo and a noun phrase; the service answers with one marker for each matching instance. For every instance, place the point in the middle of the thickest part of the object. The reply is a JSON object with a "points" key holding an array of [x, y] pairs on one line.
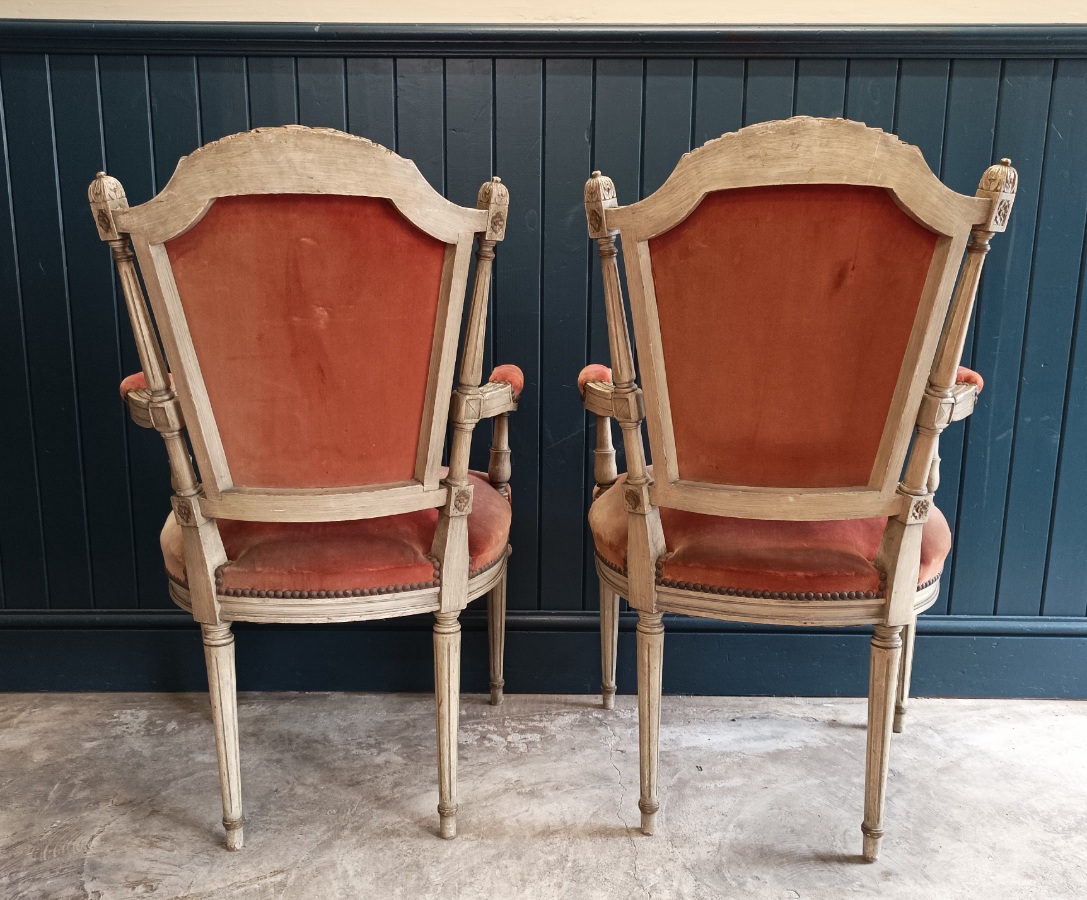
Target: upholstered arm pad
{"points": [[137, 397], [511, 375], [593, 373], [969, 376], [968, 384]]}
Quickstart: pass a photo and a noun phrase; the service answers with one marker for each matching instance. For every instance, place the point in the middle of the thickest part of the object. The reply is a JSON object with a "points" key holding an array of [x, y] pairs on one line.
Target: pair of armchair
{"points": [[793, 290]]}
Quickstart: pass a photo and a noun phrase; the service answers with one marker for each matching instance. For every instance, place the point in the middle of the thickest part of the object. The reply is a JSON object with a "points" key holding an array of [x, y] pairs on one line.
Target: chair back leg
{"points": [[496, 636], [905, 672], [650, 659], [219, 656], [882, 686], [609, 643], [447, 701]]}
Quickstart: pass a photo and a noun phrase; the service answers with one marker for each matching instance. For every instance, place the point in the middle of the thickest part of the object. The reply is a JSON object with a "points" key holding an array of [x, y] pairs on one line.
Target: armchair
{"points": [[798, 324], [308, 288]]}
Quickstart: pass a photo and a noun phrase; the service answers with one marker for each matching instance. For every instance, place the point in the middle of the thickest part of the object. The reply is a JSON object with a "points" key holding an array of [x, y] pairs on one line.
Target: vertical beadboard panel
{"points": [[1051, 315], [669, 109], [322, 100], [371, 100], [224, 100], [273, 91], [719, 98], [127, 120], [968, 147], [47, 330], [175, 112], [469, 143], [22, 546], [820, 87], [519, 95], [568, 108], [1021, 127], [870, 92], [768, 92], [420, 116], [95, 335], [617, 153]]}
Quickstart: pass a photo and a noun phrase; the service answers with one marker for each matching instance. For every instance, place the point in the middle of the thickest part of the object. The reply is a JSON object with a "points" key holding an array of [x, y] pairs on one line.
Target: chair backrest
{"points": [[308, 287], [789, 287]]}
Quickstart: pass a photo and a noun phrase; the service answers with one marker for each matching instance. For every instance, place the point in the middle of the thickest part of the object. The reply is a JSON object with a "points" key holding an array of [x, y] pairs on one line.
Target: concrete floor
{"points": [[108, 796]]}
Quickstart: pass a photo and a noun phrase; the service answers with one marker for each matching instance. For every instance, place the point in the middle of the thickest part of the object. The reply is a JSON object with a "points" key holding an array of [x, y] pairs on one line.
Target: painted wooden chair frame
{"points": [[174, 401], [928, 396]]}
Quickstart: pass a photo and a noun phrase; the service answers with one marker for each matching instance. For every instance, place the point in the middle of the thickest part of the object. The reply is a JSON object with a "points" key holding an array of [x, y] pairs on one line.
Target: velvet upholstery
{"points": [[969, 376], [785, 313], [824, 558], [313, 318], [363, 555], [137, 381], [511, 375], [594, 372]]}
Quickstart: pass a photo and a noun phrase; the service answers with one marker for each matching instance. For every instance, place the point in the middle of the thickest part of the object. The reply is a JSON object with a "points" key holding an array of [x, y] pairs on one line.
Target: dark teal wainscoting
{"points": [[83, 601]]}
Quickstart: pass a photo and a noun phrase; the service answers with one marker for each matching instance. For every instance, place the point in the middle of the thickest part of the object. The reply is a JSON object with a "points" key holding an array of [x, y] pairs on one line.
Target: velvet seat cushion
{"points": [[356, 558], [750, 557]]}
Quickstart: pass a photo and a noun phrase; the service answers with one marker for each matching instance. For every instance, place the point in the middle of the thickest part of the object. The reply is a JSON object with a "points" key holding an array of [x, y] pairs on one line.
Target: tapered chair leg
{"points": [[905, 672], [219, 655], [650, 658], [882, 685], [447, 701], [496, 637], [609, 643]]}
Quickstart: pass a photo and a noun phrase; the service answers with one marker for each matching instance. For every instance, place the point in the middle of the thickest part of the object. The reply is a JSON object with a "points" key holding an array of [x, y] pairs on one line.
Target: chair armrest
{"points": [[137, 397], [968, 384], [596, 388], [500, 395]]}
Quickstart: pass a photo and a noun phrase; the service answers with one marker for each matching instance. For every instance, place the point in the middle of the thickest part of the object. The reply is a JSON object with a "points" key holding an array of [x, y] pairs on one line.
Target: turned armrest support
{"points": [[500, 395], [597, 392]]}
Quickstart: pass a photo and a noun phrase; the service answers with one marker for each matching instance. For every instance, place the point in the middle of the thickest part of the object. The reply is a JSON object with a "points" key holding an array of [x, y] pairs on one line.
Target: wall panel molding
{"points": [[308, 39]]}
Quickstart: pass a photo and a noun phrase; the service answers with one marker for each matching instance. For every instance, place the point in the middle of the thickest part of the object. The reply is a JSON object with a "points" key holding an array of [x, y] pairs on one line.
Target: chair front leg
{"points": [[219, 655], [609, 642], [905, 673], [650, 659], [496, 636], [882, 685], [447, 701]]}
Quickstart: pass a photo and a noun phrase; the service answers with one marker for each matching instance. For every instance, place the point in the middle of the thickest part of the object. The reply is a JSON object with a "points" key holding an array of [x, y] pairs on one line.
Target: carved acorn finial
{"points": [[106, 195], [998, 185], [599, 196], [494, 197]]}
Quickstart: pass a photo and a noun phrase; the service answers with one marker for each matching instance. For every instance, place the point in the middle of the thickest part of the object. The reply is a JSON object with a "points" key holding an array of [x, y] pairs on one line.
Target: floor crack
{"points": [[613, 740]]}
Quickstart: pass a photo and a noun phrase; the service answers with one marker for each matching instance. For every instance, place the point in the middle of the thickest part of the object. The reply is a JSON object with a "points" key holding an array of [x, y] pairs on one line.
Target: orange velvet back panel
{"points": [[313, 318], [785, 312]]}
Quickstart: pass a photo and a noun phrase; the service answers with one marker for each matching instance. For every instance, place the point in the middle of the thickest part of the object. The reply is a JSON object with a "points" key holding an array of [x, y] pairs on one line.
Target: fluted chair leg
{"points": [[496, 637], [447, 701], [650, 658], [905, 672], [882, 685], [219, 655], [609, 643]]}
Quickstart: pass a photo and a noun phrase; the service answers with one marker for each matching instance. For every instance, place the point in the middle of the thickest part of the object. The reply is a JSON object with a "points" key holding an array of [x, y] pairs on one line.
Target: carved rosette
{"points": [[998, 185], [494, 197], [599, 196], [106, 195]]}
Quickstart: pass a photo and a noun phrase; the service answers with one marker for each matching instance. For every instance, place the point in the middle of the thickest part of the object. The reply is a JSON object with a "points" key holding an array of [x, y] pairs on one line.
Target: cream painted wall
{"points": [[525, 12]]}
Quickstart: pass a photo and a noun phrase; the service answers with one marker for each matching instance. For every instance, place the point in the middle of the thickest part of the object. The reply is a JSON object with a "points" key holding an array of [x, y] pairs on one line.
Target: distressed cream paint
{"points": [[600, 12]]}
